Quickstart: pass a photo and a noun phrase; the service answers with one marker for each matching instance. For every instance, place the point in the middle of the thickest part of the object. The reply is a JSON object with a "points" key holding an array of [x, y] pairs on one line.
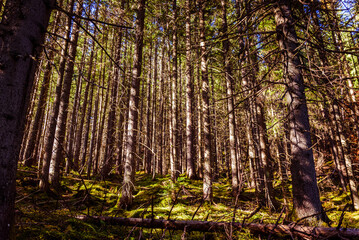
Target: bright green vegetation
{"points": [[40, 216]]}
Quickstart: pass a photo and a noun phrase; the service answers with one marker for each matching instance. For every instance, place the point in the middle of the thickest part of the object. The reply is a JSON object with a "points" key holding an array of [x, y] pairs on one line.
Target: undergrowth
{"points": [[51, 216]]}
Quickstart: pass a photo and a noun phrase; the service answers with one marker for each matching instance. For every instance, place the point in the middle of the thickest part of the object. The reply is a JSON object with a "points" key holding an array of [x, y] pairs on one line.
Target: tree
{"points": [[230, 101], [111, 125], [23, 28], [129, 156], [50, 136], [190, 147], [59, 143], [31, 149], [207, 164], [306, 200], [174, 115]]}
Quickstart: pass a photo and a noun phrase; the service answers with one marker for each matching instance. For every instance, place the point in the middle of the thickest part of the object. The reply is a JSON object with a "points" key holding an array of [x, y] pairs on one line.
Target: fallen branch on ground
{"points": [[207, 226]]}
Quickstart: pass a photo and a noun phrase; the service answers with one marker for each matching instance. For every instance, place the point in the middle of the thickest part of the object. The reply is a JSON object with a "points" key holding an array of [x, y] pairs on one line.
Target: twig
{"points": [[277, 222], [342, 216], [174, 203], [27, 196], [130, 233], [163, 234], [183, 236], [234, 214], [152, 215], [313, 215], [252, 214], [194, 214], [69, 14]]}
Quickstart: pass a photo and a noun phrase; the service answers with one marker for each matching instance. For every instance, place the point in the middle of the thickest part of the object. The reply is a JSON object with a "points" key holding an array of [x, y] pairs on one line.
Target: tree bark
{"points": [[23, 25], [190, 134], [173, 124], [279, 230], [50, 135], [111, 143], [230, 101], [30, 151], [306, 201], [59, 143], [149, 105], [129, 156], [207, 164]]}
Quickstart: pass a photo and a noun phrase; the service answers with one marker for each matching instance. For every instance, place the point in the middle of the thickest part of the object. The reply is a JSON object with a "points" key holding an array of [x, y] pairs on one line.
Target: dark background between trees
{"points": [[263, 93]]}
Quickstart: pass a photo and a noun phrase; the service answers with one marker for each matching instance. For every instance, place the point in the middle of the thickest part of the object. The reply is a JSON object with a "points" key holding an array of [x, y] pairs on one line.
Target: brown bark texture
{"points": [[207, 164], [22, 33], [129, 156], [306, 200], [279, 230]]}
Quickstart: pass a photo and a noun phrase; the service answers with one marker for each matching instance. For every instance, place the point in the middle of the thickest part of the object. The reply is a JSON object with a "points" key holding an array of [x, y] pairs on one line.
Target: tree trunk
{"points": [[93, 136], [59, 143], [149, 105], [87, 129], [50, 135], [129, 156], [154, 116], [30, 150], [26, 22], [103, 106], [266, 160], [340, 145], [190, 147], [111, 143], [280, 230], [230, 101], [161, 119], [306, 201], [207, 165], [73, 125], [173, 124]]}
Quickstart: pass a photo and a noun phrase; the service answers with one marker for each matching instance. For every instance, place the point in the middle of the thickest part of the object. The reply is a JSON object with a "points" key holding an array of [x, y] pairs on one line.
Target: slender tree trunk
{"points": [[340, 145], [87, 130], [30, 150], [161, 114], [230, 101], [190, 134], [154, 116], [173, 124], [80, 128], [26, 22], [75, 111], [343, 148], [148, 155], [111, 143], [207, 164], [93, 135], [103, 106], [266, 160], [50, 135], [59, 143], [32, 143], [31, 109], [123, 114], [199, 126], [306, 201], [129, 156]]}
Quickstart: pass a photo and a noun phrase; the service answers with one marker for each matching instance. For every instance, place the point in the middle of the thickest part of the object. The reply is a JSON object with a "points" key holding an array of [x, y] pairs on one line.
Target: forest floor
{"points": [[52, 216]]}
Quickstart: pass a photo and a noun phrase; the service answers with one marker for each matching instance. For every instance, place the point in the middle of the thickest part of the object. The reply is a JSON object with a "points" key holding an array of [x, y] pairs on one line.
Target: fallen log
{"points": [[306, 232]]}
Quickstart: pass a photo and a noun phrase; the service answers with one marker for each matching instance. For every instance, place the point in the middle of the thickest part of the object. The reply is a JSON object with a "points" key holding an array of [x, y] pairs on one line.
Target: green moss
{"points": [[42, 217]]}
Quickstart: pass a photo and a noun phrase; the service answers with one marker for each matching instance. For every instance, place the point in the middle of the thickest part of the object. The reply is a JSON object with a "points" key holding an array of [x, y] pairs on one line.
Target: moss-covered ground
{"points": [[51, 216]]}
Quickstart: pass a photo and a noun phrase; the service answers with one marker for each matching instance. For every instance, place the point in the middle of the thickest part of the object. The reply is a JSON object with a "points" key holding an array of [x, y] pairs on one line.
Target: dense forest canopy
{"points": [[262, 94]]}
